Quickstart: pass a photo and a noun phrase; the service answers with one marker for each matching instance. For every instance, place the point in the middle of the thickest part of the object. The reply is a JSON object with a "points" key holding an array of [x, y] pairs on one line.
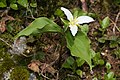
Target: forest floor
{"points": [[50, 49]]}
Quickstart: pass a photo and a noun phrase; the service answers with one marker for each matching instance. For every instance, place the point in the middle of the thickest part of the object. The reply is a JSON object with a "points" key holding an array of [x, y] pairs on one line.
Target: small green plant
{"points": [[77, 40], [14, 4], [70, 64], [64, 31], [97, 60], [73, 64], [117, 2], [104, 25], [108, 66], [109, 75]]}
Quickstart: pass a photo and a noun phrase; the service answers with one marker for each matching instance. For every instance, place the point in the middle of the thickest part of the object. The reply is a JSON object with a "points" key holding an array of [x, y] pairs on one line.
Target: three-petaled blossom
{"points": [[74, 22]]}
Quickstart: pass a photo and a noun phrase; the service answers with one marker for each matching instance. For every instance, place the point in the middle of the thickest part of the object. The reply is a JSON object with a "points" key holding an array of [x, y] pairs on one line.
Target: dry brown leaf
{"points": [[2, 26], [34, 66], [47, 68], [37, 66], [2, 22]]}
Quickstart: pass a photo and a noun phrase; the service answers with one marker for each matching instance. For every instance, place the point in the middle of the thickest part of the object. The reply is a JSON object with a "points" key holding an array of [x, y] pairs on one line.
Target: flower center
{"points": [[73, 22]]}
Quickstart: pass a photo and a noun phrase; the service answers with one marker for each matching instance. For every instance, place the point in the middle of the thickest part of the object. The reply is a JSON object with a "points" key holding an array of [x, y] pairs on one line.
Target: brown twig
{"points": [[5, 12], [46, 66], [44, 76], [92, 1], [115, 26], [116, 19], [6, 42], [84, 5]]}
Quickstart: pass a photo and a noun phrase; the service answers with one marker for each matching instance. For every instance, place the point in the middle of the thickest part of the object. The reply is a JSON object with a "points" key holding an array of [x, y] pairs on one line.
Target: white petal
{"points": [[67, 13], [84, 19], [73, 29]]}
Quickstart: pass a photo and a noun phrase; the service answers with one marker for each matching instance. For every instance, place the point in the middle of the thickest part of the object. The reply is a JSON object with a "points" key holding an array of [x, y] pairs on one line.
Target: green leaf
{"points": [[105, 23], [41, 25], [12, 1], [80, 62], [92, 15], [78, 12], [9, 28], [94, 78], [108, 65], [92, 52], [101, 62], [51, 28], [2, 4], [14, 6], [97, 59], [65, 21], [117, 52], [23, 3], [79, 72], [59, 13], [69, 62], [110, 76], [84, 29], [117, 2], [66, 24], [69, 39], [113, 44], [81, 48], [33, 4], [102, 39]]}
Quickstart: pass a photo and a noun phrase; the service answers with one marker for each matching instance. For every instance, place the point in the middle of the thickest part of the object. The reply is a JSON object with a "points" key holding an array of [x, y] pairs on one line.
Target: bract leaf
{"points": [[81, 48], [51, 28], [42, 24], [69, 39]]}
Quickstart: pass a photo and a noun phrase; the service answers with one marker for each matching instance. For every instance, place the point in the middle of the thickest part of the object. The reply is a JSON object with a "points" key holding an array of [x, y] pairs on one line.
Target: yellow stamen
{"points": [[73, 22]]}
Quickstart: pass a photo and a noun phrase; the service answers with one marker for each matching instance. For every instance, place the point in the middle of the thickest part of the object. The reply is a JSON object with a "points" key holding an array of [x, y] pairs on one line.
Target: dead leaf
{"points": [[2, 26], [47, 68], [10, 18], [38, 66], [2, 22], [34, 66]]}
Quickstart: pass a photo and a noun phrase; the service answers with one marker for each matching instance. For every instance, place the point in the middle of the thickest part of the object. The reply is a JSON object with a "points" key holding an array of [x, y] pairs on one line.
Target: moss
{"points": [[19, 73], [6, 65]]}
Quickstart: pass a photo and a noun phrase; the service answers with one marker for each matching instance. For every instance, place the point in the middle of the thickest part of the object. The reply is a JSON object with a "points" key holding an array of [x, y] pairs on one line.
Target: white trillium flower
{"points": [[74, 22]]}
